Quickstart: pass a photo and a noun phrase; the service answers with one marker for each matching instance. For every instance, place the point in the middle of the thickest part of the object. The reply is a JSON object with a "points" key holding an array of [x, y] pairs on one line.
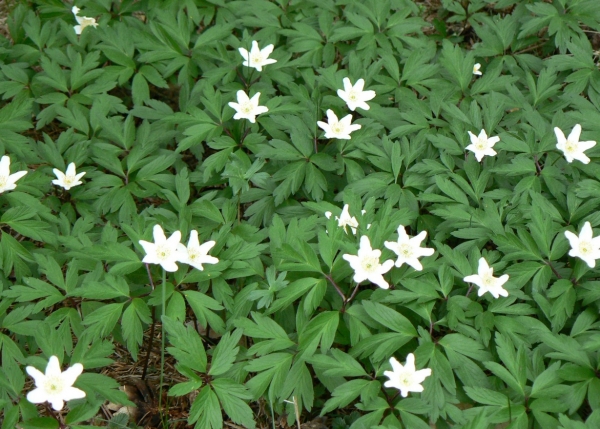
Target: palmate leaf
{"points": [[320, 330]]}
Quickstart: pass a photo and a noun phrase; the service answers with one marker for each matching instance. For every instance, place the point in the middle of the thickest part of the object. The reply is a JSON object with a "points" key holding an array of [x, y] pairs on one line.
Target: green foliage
{"points": [[140, 103]]}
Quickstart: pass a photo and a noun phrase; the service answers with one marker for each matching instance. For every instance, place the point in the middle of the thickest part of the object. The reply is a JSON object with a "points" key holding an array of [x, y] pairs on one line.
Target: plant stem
{"points": [[151, 339], [337, 288], [351, 296], [162, 337]]}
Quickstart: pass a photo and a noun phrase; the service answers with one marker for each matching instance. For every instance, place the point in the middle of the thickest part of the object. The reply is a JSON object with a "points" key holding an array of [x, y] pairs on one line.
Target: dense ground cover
{"points": [[254, 213]]}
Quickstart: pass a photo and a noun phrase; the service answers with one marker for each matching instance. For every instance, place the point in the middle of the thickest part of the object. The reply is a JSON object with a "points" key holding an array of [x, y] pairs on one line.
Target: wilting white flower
{"points": [[408, 249], [68, 179], [163, 251], [83, 21], [584, 246], [476, 68], [486, 281], [197, 254], [405, 377], [257, 58], [7, 180], [571, 146], [345, 219], [247, 108], [335, 129], [366, 264], [354, 96], [55, 386], [482, 145]]}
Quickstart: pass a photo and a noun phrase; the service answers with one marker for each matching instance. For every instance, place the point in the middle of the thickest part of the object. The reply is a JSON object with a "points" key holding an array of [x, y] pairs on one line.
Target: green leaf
{"points": [[225, 353], [321, 330]]}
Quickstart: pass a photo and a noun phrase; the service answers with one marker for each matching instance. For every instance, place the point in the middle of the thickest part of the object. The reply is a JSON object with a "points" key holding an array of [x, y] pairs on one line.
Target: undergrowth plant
{"points": [[389, 209]]}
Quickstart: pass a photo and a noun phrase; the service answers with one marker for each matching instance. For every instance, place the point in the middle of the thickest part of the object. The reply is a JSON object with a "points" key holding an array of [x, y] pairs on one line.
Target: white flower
{"points": [[7, 180], [486, 281], [335, 129], [196, 254], [476, 68], [408, 249], [354, 96], [571, 146], [257, 58], [247, 108], [585, 246], [406, 378], [163, 251], [366, 264], [55, 386], [345, 219], [482, 145], [68, 179], [83, 21]]}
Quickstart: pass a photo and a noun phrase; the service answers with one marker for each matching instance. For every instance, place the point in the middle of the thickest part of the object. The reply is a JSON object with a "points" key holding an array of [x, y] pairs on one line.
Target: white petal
{"points": [[242, 97], [5, 166], [53, 368], [586, 233], [410, 363], [36, 374], [560, 136], [37, 396], [71, 393], [158, 234], [575, 134], [70, 169], [169, 266], [70, 375]]}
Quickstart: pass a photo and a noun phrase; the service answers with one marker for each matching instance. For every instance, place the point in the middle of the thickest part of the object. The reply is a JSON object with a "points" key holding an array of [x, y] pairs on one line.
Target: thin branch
{"points": [[337, 288]]}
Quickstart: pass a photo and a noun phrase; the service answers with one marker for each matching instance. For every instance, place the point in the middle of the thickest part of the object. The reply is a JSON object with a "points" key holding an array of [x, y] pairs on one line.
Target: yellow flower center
{"points": [[337, 128], [193, 254], [163, 252], [369, 264], [53, 385], [256, 59], [406, 250], [488, 280], [585, 247], [352, 96], [480, 145], [247, 107], [69, 180], [3, 181], [570, 147]]}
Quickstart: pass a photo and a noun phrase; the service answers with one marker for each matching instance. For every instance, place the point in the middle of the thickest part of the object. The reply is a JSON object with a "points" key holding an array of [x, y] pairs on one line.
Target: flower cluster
{"points": [[8, 182], [354, 96], [366, 264], [166, 252]]}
